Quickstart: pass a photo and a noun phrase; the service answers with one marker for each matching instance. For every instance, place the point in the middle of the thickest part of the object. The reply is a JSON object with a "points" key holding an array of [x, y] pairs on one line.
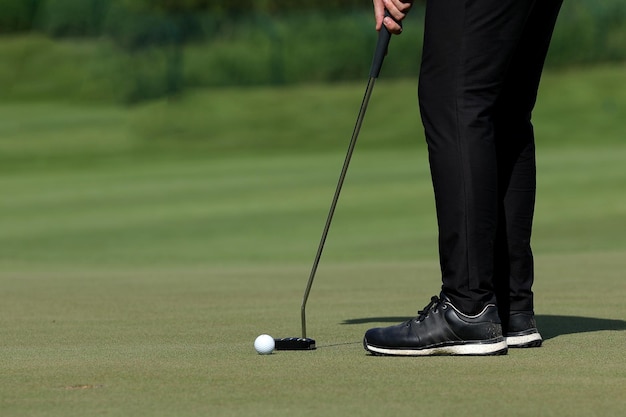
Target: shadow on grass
{"points": [[549, 326], [553, 326]]}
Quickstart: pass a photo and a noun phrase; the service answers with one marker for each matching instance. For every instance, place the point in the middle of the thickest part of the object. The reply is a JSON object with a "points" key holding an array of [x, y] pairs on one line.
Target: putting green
{"points": [[178, 341], [134, 278], [140, 290]]}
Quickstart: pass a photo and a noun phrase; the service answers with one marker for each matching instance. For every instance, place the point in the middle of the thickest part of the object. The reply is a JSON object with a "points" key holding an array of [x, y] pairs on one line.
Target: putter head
{"points": [[294, 343]]}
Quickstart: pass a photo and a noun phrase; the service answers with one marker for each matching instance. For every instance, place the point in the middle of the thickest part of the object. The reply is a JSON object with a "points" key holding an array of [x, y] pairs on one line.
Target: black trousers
{"points": [[481, 66]]}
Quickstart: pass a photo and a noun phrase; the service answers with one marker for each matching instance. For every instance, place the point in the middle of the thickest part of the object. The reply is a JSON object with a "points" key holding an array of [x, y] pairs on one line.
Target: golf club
{"points": [[305, 343]]}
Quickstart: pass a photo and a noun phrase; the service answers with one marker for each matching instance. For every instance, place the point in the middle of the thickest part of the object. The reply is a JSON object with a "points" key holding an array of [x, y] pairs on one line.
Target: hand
{"points": [[398, 9]]}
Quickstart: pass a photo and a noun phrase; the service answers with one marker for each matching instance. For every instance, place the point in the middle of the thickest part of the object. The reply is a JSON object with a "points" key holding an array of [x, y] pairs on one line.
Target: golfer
{"points": [[481, 65]]}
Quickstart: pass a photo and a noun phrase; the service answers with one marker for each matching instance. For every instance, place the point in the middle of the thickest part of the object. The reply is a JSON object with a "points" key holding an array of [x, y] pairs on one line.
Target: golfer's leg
{"points": [[467, 49], [515, 145]]}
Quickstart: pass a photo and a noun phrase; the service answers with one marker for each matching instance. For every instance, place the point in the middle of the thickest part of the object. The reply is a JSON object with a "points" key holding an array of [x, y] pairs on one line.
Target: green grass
{"points": [[576, 107], [178, 341], [137, 269]]}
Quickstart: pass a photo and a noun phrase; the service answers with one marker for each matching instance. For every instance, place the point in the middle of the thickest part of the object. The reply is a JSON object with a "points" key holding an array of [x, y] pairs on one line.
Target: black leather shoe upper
{"points": [[439, 324], [521, 323]]}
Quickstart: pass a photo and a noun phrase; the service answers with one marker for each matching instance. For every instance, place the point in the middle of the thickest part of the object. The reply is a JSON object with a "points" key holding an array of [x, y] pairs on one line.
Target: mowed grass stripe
{"points": [[272, 208]]}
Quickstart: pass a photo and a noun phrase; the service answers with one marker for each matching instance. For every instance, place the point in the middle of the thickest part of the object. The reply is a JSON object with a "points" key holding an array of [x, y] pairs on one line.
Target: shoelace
{"points": [[434, 303]]}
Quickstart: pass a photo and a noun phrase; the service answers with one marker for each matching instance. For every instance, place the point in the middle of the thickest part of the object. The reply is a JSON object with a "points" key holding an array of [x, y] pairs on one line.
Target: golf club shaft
{"points": [[333, 205], [379, 55]]}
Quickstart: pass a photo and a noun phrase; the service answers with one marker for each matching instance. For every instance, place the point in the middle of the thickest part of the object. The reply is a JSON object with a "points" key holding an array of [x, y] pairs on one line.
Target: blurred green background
{"points": [[175, 76], [128, 51]]}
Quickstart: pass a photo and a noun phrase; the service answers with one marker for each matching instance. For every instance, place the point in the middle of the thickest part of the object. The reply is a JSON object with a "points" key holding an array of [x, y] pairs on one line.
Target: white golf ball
{"points": [[264, 344]]}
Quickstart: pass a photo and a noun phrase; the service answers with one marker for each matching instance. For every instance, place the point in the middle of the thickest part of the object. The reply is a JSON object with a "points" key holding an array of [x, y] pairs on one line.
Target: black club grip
{"points": [[384, 36]]}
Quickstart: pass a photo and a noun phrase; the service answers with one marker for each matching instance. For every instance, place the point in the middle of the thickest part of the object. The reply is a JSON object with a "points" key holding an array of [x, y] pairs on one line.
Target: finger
{"points": [[398, 8], [379, 13], [392, 26]]}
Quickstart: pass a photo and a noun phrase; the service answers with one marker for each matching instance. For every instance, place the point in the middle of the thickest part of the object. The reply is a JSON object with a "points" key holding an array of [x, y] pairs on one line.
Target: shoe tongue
{"points": [[444, 298]]}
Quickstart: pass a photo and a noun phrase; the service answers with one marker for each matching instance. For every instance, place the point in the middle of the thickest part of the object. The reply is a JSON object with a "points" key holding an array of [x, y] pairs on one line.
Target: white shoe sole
{"points": [[470, 349], [527, 340]]}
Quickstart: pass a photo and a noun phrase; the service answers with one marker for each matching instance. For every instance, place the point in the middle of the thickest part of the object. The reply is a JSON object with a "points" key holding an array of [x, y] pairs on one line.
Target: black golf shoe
{"points": [[440, 329], [522, 331]]}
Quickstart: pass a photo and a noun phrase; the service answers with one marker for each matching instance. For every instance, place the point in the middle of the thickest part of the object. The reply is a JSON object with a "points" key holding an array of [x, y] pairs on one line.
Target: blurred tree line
{"points": [[162, 47], [63, 18], [137, 26]]}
